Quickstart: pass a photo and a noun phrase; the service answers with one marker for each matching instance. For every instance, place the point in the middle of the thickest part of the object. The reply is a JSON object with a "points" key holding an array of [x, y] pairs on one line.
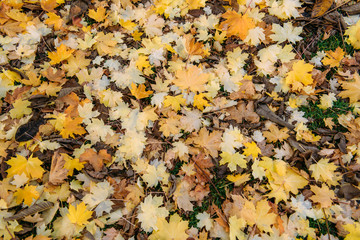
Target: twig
{"points": [[327, 224], [252, 232], [329, 11], [12, 236]]}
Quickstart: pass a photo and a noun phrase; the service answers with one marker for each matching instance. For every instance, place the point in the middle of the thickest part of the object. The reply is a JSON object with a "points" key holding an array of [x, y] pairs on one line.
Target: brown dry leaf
{"points": [[55, 76], [58, 173], [320, 7], [95, 159], [243, 111], [12, 28], [275, 134], [246, 91], [209, 141]]}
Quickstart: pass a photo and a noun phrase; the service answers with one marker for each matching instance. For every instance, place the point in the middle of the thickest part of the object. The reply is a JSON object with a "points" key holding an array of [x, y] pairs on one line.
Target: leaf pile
{"points": [[158, 119]]}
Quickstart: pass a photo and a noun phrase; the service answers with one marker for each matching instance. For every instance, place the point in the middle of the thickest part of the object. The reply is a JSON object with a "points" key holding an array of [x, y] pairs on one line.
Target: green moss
{"points": [[334, 42], [318, 115]]}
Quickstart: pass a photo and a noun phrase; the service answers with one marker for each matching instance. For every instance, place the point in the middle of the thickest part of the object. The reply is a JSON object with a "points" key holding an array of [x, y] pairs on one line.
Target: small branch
{"points": [[327, 224]]}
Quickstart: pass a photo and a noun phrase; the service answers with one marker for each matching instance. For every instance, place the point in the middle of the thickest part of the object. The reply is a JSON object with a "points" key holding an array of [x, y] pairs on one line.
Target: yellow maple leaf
{"points": [[333, 58], [233, 160], [324, 171], [237, 24], [55, 20], [354, 231], [200, 101], [174, 229], [275, 134], [354, 35], [251, 149], [33, 80], [98, 15], [61, 54], [79, 215], [175, 102], [105, 44], [72, 126], [72, 163], [20, 108], [191, 78], [323, 195], [139, 92], [237, 226], [27, 195], [31, 167], [300, 75], [352, 89]]}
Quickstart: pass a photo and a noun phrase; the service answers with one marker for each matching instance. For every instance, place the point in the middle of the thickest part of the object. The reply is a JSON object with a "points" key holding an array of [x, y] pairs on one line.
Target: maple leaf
{"points": [[209, 141], [31, 166], [300, 75], [236, 228], [354, 231], [324, 171], [233, 160], [200, 101], [139, 92], [72, 126], [251, 149], [95, 159], [191, 78], [275, 134], [352, 89], [79, 215], [98, 14], [353, 33], [61, 54], [194, 48], [150, 212], [333, 58], [174, 229], [27, 195], [48, 5], [175, 102], [105, 44], [237, 24], [20, 108], [323, 195], [55, 20]]}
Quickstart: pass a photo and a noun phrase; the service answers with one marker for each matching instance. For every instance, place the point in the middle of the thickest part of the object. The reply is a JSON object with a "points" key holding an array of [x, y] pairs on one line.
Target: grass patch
{"points": [[317, 115], [333, 42], [322, 229]]}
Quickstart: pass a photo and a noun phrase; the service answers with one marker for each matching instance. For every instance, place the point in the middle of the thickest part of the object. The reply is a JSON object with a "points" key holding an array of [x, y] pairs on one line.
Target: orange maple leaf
{"points": [[139, 92], [192, 78], [95, 159], [61, 54], [237, 24], [72, 126]]}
